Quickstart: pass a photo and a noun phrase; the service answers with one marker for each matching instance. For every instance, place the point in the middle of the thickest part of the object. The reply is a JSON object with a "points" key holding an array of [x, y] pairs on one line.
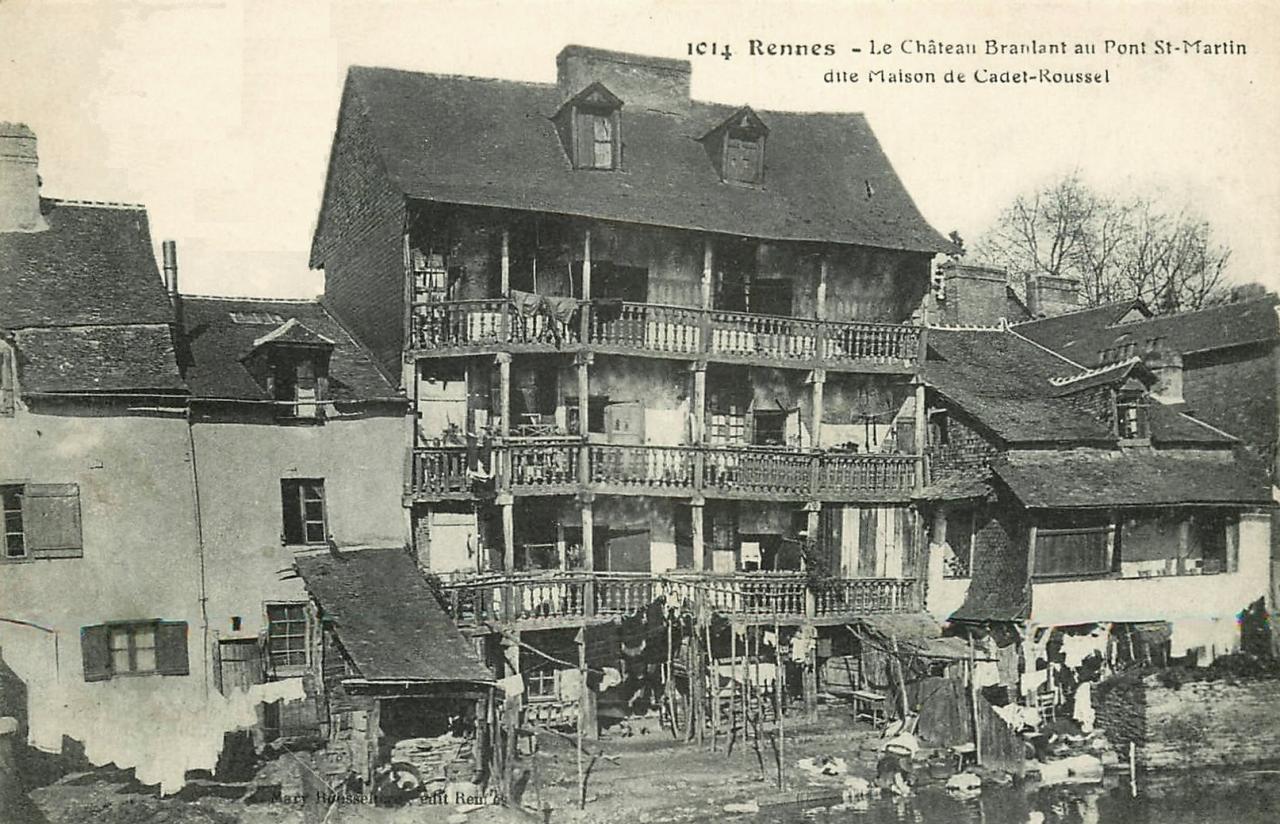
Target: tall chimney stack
{"points": [[19, 180], [169, 249]]}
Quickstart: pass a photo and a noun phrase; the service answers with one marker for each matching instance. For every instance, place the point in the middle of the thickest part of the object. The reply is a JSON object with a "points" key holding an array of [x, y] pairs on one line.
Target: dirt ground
{"points": [[648, 777]]}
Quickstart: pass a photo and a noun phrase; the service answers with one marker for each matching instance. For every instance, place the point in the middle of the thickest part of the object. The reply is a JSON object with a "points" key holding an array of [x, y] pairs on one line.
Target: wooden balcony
{"points": [[552, 466], [548, 600], [656, 330]]}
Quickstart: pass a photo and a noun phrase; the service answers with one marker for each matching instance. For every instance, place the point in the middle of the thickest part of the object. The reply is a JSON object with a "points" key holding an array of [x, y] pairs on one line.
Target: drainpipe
{"points": [[199, 524]]}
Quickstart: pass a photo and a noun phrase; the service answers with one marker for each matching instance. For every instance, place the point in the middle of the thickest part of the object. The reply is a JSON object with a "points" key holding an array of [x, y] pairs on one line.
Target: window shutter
{"points": [[95, 650], [585, 150], [171, 648], [51, 520]]}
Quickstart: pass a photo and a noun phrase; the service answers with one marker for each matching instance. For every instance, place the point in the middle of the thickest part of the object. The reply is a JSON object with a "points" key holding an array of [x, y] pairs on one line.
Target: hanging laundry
{"points": [[986, 674], [561, 309], [1083, 710], [527, 304], [512, 685]]}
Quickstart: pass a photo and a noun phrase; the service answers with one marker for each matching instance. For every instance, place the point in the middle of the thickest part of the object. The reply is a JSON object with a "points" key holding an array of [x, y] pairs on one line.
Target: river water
{"points": [[1204, 797]]}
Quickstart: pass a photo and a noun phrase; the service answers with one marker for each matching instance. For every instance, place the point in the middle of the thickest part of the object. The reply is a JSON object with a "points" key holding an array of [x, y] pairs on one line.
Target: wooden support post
{"points": [[779, 688], [820, 305], [586, 263], [697, 514], [583, 361], [561, 548], [733, 685], [698, 403], [713, 679], [505, 266], [507, 507], [582, 714], [973, 704], [811, 677], [503, 360], [921, 429], [818, 378], [589, 726], [707, 296]]}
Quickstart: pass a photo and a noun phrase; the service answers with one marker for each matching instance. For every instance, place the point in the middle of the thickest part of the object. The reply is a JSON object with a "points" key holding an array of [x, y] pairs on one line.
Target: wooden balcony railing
{"points": [[842, 474], [440, 471], [648, 327], [643, 467], [551, 466], [760, 470], [843, 596], [680, 331], [747, 335], [532, 598], [540, 464]]}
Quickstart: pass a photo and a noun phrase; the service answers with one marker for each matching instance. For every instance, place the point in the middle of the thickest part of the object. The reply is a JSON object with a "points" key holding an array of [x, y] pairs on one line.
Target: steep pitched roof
{"points": [[1022, 393], [85, 303], [93, 266], [386, 617], [1004, 382], [218, 332], [1083, 336], [135, 358], [1104, 478], [486, 142]]}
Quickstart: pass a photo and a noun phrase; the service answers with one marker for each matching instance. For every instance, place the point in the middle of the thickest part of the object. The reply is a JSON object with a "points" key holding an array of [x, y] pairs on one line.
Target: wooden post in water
{"points": [[779, 684], [713, 677]]}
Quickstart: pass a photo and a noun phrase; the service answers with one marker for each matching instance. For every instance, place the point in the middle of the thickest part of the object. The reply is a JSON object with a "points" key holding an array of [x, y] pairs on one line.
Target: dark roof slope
{"points": [[1101, 478], [1007, 384], [216, 344], [488, 142], [386, 617], [93, 266], [137, 358], [1003, 382], [1082, 336]]}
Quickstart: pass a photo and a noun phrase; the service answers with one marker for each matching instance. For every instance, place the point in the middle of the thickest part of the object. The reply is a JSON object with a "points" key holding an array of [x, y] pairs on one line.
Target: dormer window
{"points": [[736, 147], [1131, 414], [292, 364], [590, 124]]}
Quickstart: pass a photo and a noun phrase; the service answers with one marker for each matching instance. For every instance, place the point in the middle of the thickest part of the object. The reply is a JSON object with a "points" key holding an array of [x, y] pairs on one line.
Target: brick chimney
{"points": [[970, 295], [1167, 366], [19, 180], [1048, 295], [640, 81]]}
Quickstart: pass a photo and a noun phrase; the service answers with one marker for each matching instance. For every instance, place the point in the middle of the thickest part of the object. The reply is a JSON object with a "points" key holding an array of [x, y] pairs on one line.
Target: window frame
{"points": [[289, 664], [299, 487], [131, 629], [7, 493], [538, 679], [1074, 523], [585, 120], [743, 137]]}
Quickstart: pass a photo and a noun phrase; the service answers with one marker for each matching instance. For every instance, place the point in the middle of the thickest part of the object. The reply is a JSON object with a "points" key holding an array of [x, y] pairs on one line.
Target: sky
{"points": [[218, 115]]}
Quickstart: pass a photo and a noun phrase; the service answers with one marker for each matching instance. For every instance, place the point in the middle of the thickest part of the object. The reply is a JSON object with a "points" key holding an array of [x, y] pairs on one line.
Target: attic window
{"points": [[256, 318], [1131, 415], [743, 156], [590, 125], [736, 147], [299, 381]]}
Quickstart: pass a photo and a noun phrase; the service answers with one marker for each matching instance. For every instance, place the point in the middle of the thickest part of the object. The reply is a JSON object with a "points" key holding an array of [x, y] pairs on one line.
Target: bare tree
{"points": [[1116, 248]]}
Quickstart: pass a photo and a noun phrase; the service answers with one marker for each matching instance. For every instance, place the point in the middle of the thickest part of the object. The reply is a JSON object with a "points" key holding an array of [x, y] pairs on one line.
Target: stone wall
{"points": [[1216, 723]]}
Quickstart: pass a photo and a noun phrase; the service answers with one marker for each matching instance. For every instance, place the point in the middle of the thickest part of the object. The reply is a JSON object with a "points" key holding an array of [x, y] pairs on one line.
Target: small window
{"points": [[1131, 416], [770, 428], [41, 521], [540, 682], [302, 501], [597, 139], [728, 427], [134, 648], [256, 318], [299, 380], [742, 158], [1073, 544], [287, 634], [15, 539]]}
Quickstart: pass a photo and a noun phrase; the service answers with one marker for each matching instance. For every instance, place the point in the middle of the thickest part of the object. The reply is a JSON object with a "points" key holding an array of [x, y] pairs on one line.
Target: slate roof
{"points": [[138, 358], [486, 142], [1081, 336], [93, 266], [1003, 382], [215, 345], [1101, 478], [386, 617], [1007, 384], [956, 485]]}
